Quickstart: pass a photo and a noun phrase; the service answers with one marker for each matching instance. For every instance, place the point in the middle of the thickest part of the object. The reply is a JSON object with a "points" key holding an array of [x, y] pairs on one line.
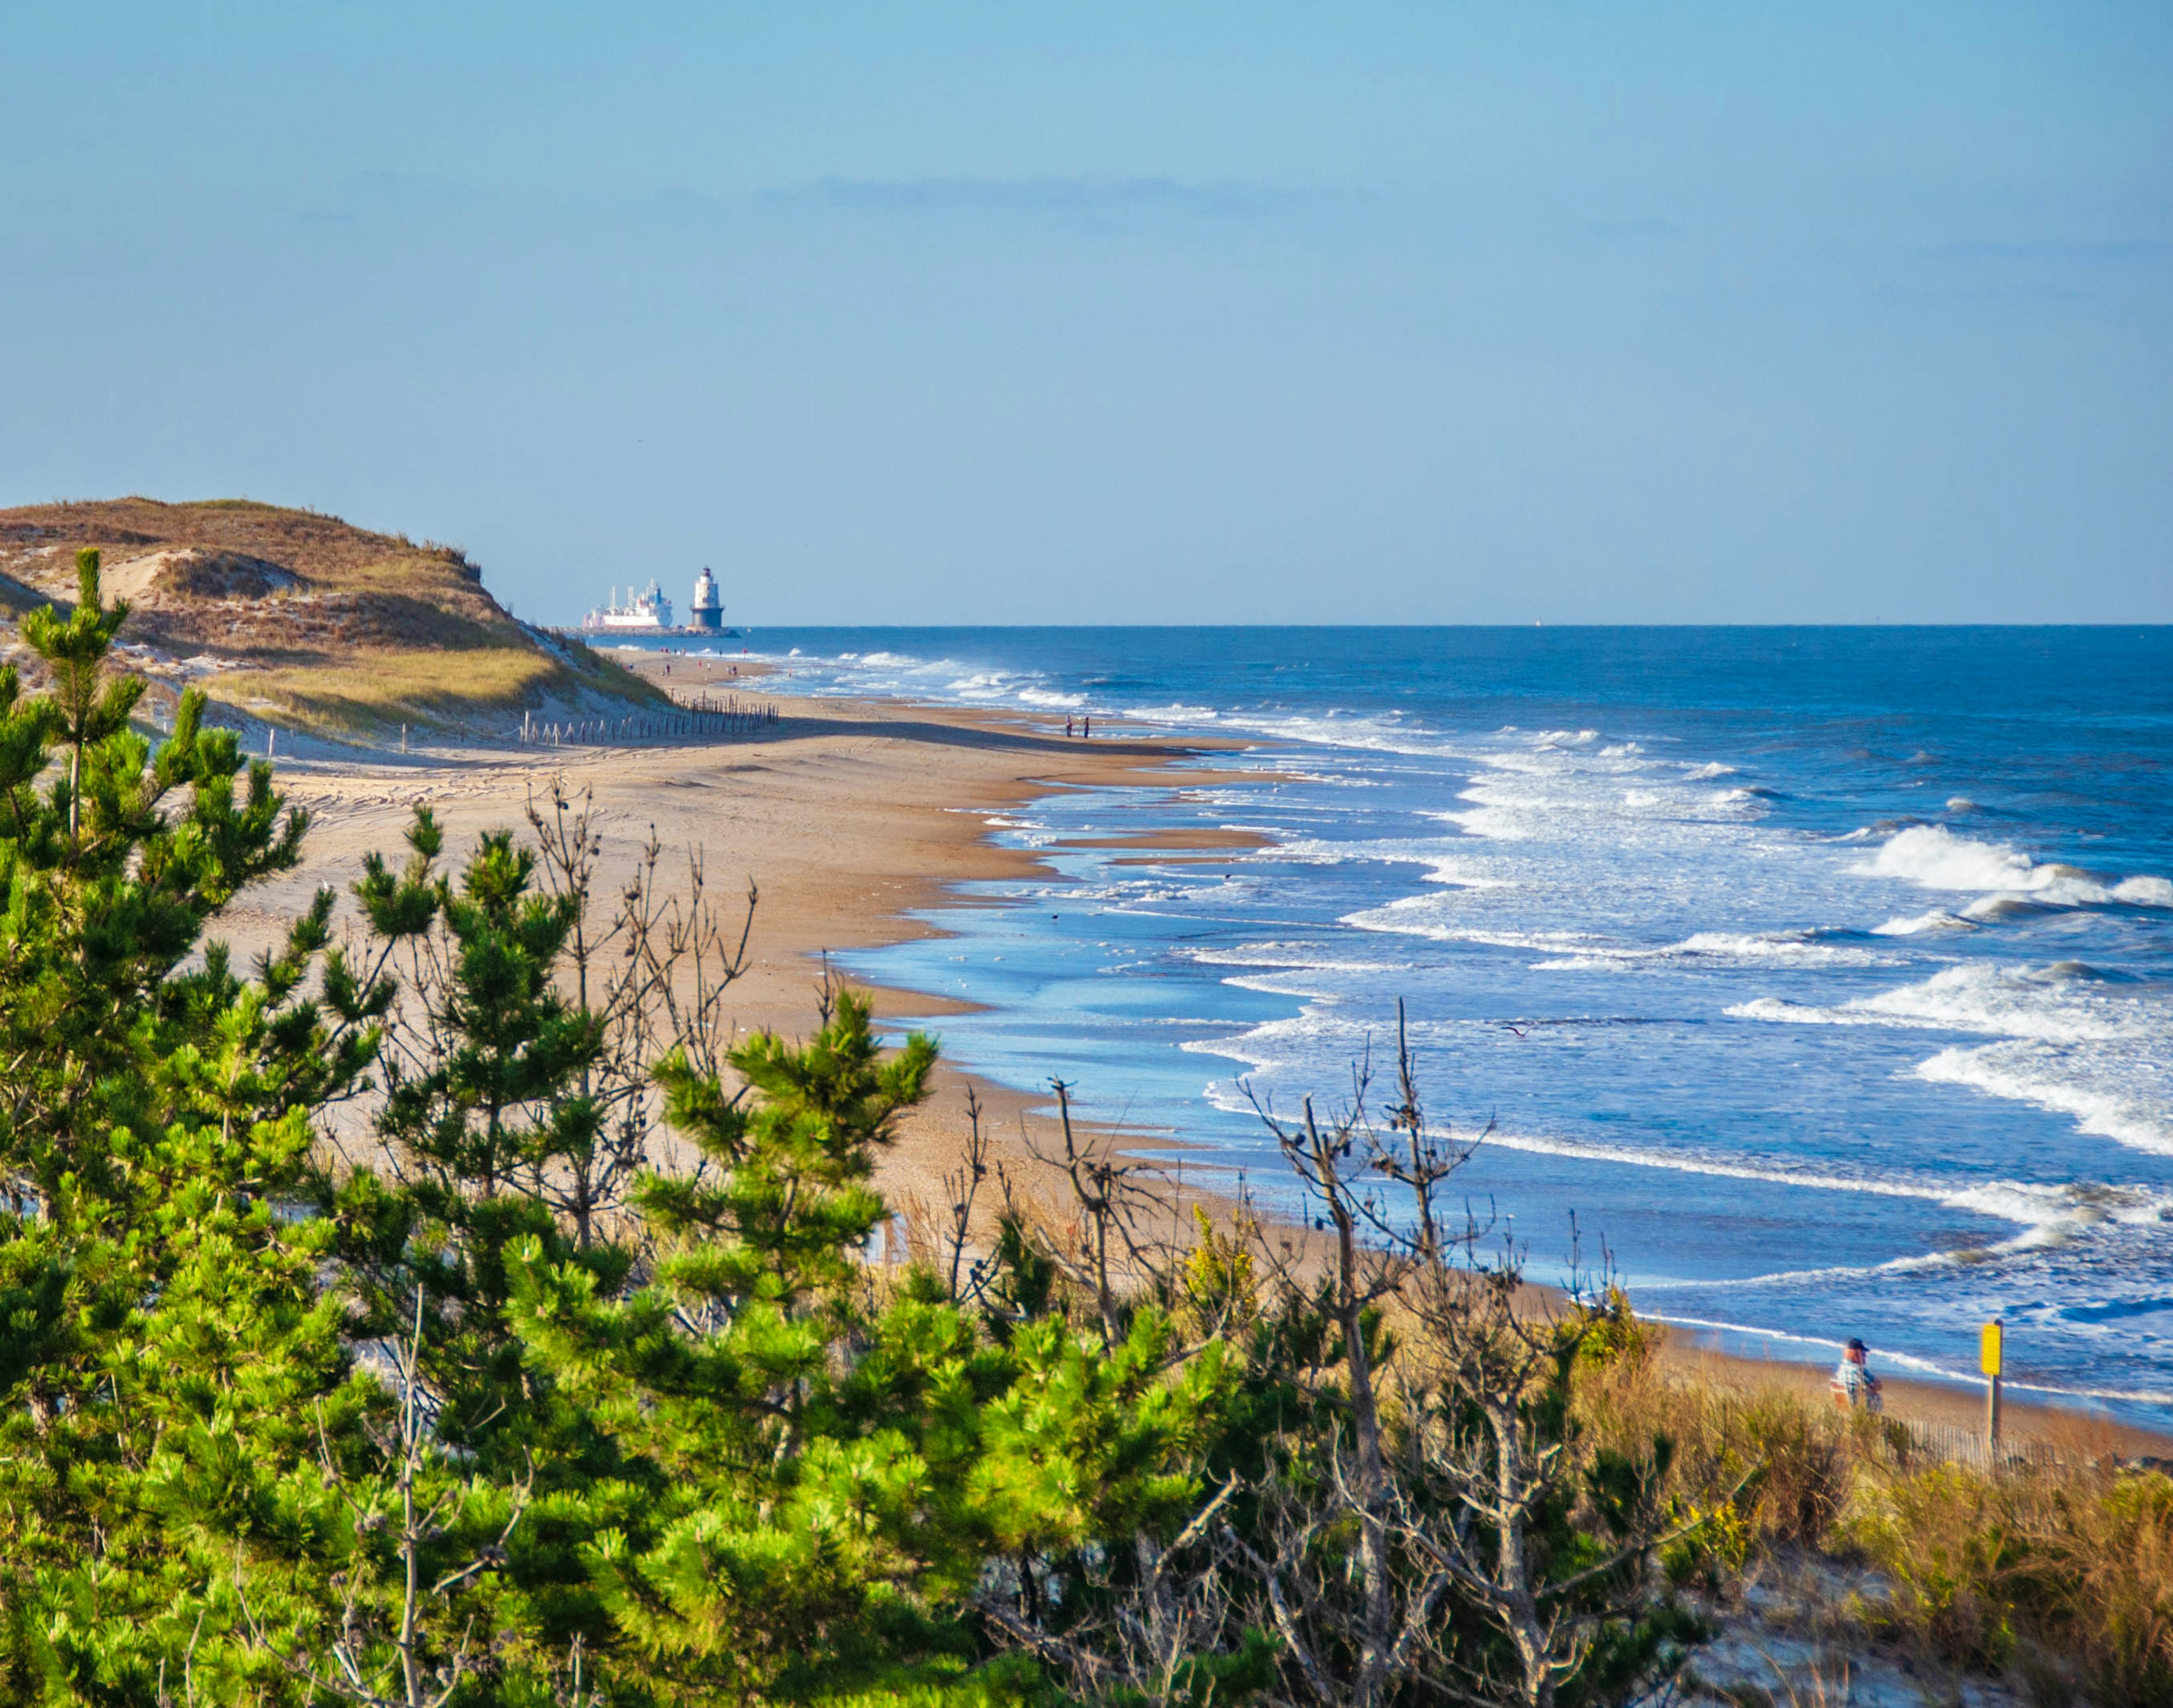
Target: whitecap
{"points": [[2047, 1212], [2008, 1002], [2070, 1041], [1914, 925], [1300, 957], [2110, 1098], [1723, 948], [1421, 916], [1933, 857]]}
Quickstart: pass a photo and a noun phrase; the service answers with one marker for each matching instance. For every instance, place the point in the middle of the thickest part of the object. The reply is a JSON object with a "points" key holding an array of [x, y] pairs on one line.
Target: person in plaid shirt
{"points": [[1853, 1384]]}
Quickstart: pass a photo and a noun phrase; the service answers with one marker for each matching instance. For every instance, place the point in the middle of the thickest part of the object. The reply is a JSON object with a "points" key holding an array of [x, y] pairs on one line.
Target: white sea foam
{"points": [[2110, 1096], [1721, 949], [1303, 982], [1265, 1048], [1327, 779], [1707, 1163], [1377, 734], [1127, 895], [1455, 871], [1768, 945], [1307, 956], [1933, 857], [2048, 1214], [1305, 970], [1500, 814], [1915, 925], [2039, 1208], [1420, 916], [2044, 1003], [2067, 1043]]}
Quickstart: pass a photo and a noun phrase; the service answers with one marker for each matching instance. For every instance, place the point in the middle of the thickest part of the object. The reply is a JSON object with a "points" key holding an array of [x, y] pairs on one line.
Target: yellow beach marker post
{"points": [[1990, 1349]]}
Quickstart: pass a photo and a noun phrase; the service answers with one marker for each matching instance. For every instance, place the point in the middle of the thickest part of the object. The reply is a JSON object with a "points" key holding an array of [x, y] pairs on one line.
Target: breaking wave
{"points": [[1933, 857]]}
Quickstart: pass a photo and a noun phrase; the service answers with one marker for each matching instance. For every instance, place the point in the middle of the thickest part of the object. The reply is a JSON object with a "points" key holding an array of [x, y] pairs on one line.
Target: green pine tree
{"points": [[843, 1462], [170, 1372], [487, 1103]]}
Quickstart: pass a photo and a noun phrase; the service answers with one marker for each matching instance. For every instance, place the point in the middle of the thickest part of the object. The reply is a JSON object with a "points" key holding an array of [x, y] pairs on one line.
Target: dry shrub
{"points": [[1797, 1456], [2123, 1562], [2064, 1572], [2061, 1573], [1953, 1560]]}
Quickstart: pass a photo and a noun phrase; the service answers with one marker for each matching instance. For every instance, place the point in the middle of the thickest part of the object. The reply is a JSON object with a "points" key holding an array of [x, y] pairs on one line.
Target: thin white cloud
{"points": [[1090, 193]]}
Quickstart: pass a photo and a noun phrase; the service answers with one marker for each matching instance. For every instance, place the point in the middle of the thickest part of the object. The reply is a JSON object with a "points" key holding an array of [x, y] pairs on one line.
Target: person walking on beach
{"points": [[1853, 1383], [1067, 729], [1086, 728]]}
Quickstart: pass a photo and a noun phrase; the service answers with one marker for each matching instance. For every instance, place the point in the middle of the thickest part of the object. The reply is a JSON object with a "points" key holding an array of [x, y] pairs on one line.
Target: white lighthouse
{"points": [[708, 606]]}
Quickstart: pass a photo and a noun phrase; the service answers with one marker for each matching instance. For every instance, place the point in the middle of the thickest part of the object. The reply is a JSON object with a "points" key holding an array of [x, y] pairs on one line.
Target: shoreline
{"points": [[855, 816]]}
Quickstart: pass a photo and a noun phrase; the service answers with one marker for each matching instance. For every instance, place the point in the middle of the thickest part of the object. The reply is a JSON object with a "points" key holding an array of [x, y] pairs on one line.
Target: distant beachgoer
{"points": [[1086, 728], [1853, 1383], [1067, 729]]}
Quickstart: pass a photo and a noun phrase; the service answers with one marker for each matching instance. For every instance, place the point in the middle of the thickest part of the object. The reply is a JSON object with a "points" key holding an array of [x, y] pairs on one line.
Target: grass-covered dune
{"points": [[304, 620]]}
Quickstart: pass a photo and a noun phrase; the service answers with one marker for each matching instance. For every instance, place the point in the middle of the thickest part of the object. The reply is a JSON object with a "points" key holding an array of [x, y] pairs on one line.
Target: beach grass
{"points": [[364, 695], [369, 692], [2055, 1573]]}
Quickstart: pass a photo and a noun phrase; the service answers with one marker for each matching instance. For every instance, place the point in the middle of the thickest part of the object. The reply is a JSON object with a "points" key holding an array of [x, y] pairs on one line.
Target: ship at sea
{"points": [[650, 611]]}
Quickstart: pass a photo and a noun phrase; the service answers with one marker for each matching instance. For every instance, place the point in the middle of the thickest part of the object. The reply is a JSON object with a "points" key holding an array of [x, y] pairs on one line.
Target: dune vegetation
{"points": [[304, 620]]}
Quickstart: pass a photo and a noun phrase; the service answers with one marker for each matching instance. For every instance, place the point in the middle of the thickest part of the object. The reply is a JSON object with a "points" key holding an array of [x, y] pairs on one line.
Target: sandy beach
{"points": [[848, 816]]}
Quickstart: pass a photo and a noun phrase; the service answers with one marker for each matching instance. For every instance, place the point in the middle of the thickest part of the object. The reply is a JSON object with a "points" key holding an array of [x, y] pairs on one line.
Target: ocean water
{"points": [[1825, 975]]}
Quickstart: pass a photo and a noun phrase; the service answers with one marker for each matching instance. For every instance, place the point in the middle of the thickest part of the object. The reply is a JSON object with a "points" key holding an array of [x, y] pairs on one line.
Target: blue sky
{"points": [[956, 313]]}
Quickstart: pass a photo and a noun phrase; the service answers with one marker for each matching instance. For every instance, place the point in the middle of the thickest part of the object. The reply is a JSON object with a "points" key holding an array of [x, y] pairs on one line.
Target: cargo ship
{"points": [[644, 613]]}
